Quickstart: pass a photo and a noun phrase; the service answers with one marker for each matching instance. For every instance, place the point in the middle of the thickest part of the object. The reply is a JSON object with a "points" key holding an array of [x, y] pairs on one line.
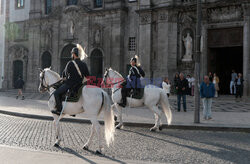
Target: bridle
{"points": [[45, 86], [107, 76]]}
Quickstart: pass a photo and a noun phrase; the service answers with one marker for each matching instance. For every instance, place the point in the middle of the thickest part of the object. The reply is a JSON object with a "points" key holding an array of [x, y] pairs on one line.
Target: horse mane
{"points": [[116, 72], [52, 72]]}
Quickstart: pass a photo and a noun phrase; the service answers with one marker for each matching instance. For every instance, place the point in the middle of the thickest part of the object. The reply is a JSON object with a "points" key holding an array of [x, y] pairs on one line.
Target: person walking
{"points": [[207, 92], [19, 86], [239, 86], [216, 82], [166, 86], [181, 87], [232, 82]]}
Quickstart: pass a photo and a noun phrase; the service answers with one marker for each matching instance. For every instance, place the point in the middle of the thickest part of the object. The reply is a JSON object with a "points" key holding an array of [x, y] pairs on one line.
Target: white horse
{"points": [[92, 101], [153, 96]]}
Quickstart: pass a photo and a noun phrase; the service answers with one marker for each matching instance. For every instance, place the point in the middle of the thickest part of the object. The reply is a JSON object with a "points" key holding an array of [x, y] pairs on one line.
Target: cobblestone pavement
{"points": [[168, 146]]}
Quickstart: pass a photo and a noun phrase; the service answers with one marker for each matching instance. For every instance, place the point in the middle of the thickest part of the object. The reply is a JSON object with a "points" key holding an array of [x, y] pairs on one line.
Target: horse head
{"points": [[47, 77], [111, 77]]}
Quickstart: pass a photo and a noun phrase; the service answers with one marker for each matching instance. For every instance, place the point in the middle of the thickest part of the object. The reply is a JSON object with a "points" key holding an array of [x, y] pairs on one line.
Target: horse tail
{"points": [[166, 107], [109, 123]]}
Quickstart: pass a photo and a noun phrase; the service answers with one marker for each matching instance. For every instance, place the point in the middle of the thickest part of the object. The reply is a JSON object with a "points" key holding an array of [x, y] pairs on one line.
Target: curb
{"points": [[133, 124]]}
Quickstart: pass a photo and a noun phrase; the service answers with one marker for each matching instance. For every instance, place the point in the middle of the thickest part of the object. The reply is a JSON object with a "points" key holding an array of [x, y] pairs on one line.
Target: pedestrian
{"points": [[207, 92], [192, 87], [232, 82], [181, 87], [239, 85], [166, 86], [176, 79], [189, 85], [19, 86], [216, 82], [210, 75]]}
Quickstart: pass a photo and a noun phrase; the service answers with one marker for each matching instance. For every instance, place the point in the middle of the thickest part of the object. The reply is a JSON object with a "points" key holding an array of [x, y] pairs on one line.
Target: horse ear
{"points": [[41, 70], [106, 69], [50, 67]]}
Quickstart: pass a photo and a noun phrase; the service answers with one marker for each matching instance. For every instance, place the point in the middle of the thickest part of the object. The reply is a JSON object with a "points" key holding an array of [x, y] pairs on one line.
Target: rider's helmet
{"points": [[75, 51], [133, 59]]}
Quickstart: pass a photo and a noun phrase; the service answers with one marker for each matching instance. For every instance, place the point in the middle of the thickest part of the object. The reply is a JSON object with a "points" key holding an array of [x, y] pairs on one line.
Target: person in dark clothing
{"points": [[176, 79], [19, 85], [239, 85], [73, 75], [132, 80], [210, 75], [182, 87]]}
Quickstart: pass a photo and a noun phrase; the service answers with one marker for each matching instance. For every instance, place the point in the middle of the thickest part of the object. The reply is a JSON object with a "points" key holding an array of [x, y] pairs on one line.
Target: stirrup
{"points": [[56, 112]]}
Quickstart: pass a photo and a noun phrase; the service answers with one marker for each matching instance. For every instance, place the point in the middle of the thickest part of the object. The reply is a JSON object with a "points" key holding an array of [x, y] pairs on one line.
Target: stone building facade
{"points": [[112, 31]]}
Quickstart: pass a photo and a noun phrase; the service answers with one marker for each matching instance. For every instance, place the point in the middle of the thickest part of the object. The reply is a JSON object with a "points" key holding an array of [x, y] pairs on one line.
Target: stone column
{"points": [[145, 41], [246, 49]]}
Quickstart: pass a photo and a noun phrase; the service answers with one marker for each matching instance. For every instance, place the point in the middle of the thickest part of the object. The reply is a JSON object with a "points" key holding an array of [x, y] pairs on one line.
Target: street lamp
{"points": [[197, 64]]}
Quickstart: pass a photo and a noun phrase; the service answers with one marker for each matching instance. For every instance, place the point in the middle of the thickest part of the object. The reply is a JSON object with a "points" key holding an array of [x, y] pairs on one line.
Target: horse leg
{"points": [[98, 132], [119, 109], [157, 114], [58, 138], [86, 146]]}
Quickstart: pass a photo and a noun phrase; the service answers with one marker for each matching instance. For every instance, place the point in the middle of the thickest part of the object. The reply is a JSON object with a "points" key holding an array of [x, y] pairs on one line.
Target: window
{"points": [[72, 2], [132, 44], [48, 6], [97, 3], [19, 3]]}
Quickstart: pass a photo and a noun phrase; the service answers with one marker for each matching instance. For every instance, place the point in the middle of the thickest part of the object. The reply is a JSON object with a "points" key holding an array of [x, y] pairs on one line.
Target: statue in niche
{"points": [[97, 36], [72, 28], [48, 38], [188, 44]]}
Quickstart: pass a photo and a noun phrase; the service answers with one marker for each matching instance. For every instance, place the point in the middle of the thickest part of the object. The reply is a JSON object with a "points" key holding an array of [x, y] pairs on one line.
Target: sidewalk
{"points": [[139, 116], [13, 155]]}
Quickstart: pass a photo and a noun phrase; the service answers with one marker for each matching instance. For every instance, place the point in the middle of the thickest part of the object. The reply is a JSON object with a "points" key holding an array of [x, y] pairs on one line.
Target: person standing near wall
{"points": [[166, 86], [239, 86], [19, 86], [232, 82], [216, 81], [181, 87], [207, 92]]}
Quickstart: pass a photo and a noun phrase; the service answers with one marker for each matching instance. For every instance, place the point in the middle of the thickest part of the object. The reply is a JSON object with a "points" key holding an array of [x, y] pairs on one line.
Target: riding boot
{"points": [[58, 106], [124, 98]]}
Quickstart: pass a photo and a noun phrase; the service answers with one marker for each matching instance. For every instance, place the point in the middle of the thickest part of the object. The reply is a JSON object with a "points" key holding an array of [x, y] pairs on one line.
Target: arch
{"points": [[46, 60], [17, 70], [66, 55], [96, 63]]}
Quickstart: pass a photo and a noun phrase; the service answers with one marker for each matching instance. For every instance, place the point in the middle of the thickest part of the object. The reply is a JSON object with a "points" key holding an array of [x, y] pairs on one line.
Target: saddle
{"points": [[74, 93], [136, 93]]}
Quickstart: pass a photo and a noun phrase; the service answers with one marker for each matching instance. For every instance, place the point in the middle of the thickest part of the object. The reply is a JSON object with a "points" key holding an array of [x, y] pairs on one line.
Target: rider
{"points": [[132, 81], [72, 77]]}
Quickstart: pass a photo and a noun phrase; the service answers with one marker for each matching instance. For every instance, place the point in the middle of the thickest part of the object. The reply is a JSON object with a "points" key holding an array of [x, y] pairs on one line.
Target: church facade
{"points": [[161, 32]]}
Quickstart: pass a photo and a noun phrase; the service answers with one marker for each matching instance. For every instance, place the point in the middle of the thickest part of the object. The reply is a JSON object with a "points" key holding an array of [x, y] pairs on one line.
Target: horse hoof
{"points": [[56, 145], [98, 152], [115, 118], [85, 148], [160, 128], [152, 130]]}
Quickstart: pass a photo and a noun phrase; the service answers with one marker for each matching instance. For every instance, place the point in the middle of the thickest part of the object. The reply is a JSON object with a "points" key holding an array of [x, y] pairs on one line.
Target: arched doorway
{"points": [[17, 70], [66, 55], [96, 63], [46, 60]]}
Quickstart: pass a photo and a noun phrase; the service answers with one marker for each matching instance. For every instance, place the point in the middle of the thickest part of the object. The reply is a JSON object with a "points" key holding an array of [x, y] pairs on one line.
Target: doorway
{"points": [[17, 70], [222, 61]]}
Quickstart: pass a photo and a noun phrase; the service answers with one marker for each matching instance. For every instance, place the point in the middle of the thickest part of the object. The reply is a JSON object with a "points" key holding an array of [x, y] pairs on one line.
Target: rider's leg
{"points": [[124, 96], [58, 94]]}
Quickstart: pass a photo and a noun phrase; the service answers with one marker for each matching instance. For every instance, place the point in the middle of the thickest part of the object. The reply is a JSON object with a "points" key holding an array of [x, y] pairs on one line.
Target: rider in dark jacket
{"points": [[132, 81], [72, 78]]}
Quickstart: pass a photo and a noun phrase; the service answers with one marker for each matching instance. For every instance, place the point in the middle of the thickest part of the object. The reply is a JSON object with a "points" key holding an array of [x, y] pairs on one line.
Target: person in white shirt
{"points": [[166, 86], [192, 87]]}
